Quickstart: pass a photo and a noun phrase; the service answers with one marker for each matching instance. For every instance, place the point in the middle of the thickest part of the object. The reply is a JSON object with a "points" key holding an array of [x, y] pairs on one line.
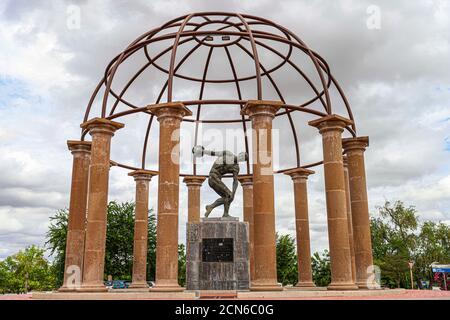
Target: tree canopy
{"points": [[25, 271], [286, 260], [399, 237], [119, 242]]}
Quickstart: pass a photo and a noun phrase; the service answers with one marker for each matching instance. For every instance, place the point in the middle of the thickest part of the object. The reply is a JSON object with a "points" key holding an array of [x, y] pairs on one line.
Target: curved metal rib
{"points": [[238, 89], [288, 113], [186, 56], [202, 87], [255, 57]]}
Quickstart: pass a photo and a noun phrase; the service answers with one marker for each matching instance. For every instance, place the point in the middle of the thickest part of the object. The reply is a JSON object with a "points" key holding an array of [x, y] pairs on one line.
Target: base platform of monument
{"points": [[288, 293], [217, 254]]}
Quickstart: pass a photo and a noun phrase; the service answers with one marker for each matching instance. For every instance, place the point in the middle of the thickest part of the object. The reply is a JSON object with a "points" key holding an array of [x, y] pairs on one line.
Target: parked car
{"points": [[119, 284]]}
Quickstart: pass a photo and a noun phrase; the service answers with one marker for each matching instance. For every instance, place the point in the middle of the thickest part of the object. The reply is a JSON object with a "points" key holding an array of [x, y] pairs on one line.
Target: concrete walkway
{"points": [[394, 294]]}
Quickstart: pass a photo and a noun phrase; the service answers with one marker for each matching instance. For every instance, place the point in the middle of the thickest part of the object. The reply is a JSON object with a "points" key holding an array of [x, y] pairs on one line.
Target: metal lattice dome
{"points": [[249, 54]]}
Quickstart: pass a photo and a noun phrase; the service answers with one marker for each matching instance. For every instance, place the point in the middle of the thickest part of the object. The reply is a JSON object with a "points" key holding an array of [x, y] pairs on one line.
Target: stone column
{"points": [[331, 128], [142, 179], [247, 195], [261, 114], [169, 116], [101, 131], [299, 177], [81, 151], [354, 149], [194, 183], [349, 217]]}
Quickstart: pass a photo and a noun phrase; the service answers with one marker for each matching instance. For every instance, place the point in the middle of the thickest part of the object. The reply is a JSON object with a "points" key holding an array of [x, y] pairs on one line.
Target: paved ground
{"points": [[407, 295], [15, 296]]}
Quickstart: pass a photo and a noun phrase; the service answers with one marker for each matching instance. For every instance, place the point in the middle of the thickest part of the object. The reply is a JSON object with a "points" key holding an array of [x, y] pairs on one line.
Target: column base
{"points": [[69, 289], [342, 286], [308, 284], [364, 286], [265, 286], [92, 288], [166, 288], [138, 285]]}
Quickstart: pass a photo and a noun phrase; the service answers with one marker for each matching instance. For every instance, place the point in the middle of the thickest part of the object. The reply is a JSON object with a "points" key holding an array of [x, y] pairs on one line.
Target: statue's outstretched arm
{"points": [[200, 151]]}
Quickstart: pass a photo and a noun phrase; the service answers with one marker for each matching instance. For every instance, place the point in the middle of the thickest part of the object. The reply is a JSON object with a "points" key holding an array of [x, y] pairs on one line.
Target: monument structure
{"points": [[218, 249], [264, 76]]}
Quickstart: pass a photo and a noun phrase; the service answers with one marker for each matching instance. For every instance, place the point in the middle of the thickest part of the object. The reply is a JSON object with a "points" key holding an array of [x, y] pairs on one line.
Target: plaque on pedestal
{"points": [[217, 255]]}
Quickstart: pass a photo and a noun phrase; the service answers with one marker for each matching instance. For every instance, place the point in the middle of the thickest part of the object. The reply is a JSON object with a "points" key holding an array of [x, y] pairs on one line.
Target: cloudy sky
{"points": [[391, 58]]}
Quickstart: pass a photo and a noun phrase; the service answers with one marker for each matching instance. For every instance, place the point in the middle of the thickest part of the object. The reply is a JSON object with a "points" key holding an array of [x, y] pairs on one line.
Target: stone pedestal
{"points": [[218, 254]]}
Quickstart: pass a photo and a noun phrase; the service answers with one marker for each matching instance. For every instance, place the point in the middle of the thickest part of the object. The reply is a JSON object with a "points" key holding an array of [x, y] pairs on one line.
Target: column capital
{"points": [[246, 180], [194, 181], [101, 125], [169, 110], [355, 143], [142, 174], [79, 146], [261, 108], [299, 174], [330, 122]]}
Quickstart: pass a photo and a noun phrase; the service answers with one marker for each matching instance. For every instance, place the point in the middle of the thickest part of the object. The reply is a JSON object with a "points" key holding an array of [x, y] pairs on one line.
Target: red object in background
{"points": [[440, 279]]}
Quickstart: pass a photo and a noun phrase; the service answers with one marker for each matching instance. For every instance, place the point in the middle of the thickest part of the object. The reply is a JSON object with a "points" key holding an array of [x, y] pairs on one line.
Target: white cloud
{"points": [[9, 223]]}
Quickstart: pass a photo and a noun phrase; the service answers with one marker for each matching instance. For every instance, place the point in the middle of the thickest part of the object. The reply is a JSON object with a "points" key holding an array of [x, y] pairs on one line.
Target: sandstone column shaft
{"points": [[261, 114], [247, 190], [331, 128], [81, 151], [299, 177], [194, 184], [142, 179], [101, 131], [169, 117], [349, 218], [354, 149]]}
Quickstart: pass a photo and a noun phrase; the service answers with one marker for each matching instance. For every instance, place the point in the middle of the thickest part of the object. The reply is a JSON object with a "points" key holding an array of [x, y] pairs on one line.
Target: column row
{"points": [[346, 198]]}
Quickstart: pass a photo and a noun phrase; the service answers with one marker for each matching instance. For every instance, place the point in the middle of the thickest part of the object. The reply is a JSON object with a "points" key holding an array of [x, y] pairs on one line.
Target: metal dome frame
{"points": [[189, 31]]}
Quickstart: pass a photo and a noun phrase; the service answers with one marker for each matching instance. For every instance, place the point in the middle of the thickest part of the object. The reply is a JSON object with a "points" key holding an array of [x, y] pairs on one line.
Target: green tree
{"points": [[394, 242], [56, 241], [433, 246], [181, 264], [25, 271], [286, 260], [4, 277], [119, 241], [321, 270]]}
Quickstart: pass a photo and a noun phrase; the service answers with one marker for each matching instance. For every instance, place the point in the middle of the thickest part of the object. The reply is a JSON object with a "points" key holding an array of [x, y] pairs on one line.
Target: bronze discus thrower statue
{"points": [[226, 162]]}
